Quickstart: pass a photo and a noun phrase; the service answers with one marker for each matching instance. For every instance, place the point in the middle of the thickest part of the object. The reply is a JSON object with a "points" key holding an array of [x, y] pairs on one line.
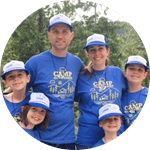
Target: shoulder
{"points": [[112, 68], [76, 58], [145, 91], [8, 97], [99, 143], [38, 56]]}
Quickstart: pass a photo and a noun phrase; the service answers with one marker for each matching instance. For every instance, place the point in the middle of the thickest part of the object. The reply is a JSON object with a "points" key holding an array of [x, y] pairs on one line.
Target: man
{"points": [[54, 73]]}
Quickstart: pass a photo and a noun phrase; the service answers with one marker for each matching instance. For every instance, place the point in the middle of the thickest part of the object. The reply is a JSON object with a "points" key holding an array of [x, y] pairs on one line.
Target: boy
{"points": [[16, 77], [110, 118], [135, 96]]}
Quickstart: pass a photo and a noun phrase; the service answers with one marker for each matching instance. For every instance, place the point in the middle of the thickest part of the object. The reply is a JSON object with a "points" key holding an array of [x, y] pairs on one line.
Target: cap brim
{"points": [[109, 115], [3, 75], [39, 105], [58, 23], [137, 62], [94, 43]]}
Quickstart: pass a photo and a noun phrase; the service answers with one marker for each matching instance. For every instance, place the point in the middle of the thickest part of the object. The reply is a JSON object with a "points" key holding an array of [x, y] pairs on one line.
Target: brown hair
{"points": [[89, 68], [43, 125]]}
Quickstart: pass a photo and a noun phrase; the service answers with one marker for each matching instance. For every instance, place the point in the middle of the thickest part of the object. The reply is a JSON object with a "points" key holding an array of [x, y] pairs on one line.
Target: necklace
{"points": [[60, 76], [137, 108], [98, 85], [17, 115]]}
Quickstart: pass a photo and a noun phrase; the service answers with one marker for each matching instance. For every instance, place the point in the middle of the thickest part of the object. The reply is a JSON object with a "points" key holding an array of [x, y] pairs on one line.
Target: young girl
{"points": [[110, 118], [134, 98], [35, 115], [16, 77], [98, 84]]}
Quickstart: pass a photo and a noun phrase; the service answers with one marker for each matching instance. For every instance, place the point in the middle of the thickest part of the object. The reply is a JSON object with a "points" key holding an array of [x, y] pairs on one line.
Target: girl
{"points": [[35, 115], [98, 84]]}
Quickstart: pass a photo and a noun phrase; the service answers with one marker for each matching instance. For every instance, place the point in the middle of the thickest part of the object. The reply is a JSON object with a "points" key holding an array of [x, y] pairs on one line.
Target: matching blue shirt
{"points": [[92, 94], [132, 104], [56, 77], [15, 108], [99, 143]]}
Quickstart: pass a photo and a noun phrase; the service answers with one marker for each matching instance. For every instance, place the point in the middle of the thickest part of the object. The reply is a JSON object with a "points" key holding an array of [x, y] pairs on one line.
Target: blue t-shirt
{"points": [[132, 104], [99, 143], [92, 98], [56, 77], [15, 108], [33, 132]]}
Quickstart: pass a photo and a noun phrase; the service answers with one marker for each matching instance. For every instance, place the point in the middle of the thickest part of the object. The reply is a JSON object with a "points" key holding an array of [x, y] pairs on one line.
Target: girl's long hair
{"points": [[89, 68], [43, 125]]}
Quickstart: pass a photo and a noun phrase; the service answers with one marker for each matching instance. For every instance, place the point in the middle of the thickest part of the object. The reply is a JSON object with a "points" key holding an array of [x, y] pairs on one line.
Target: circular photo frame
{"points": [[87, 17]]}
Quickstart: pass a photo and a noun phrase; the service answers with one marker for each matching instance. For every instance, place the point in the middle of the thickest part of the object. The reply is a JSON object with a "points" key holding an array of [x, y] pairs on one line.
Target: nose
{"points": [[16, 77], [97, 52], [59, 35], [111, 121], [135, 71]]}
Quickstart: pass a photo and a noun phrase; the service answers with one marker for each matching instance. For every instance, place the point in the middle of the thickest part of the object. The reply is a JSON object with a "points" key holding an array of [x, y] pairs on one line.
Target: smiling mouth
{"points": [[60, 42], [36, 119], [17, 83], [98, 58]]}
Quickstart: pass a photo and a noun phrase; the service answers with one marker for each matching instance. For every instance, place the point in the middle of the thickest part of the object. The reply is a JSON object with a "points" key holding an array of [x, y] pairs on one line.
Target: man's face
{"points": [[60, 37]]}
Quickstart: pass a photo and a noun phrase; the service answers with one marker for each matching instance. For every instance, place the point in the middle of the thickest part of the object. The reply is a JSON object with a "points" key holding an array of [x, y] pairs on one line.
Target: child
{"points": [[110, 118], [134, 98], [35, 114], [16, 77]]}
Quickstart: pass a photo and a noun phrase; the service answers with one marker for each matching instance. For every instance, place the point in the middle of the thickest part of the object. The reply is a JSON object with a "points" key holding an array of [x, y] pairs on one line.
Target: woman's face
{"points": [[98, 55]]}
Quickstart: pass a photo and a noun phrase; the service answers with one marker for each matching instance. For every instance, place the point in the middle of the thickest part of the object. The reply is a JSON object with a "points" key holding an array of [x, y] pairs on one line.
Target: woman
{"points": [[98, 84]]}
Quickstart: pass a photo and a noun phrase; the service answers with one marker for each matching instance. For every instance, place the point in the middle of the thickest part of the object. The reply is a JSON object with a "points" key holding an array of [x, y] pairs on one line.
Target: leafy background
{"points": [[30, 37]]}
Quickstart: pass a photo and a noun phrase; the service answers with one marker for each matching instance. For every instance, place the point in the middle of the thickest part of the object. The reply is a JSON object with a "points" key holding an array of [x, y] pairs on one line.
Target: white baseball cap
{"points": [[109, 110], [39, 100], [137, 60], [96, 39], [60, 18], [12, 66]]}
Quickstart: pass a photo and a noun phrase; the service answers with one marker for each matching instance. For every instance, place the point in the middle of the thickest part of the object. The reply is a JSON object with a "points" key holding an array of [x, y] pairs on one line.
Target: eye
{"points": [[106, 120], [131, 68], [55, 31], [140, 70], [65, 31], [100, 48], [10, 77], [20, 74], [116, 119], [92, 50], [34, 109]]}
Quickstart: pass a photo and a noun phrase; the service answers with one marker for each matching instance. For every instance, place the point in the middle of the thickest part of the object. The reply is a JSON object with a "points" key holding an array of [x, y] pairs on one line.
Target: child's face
{"points": [[111, 124], [36, 115], [98, 54], [16, 80], [135, 73]]}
